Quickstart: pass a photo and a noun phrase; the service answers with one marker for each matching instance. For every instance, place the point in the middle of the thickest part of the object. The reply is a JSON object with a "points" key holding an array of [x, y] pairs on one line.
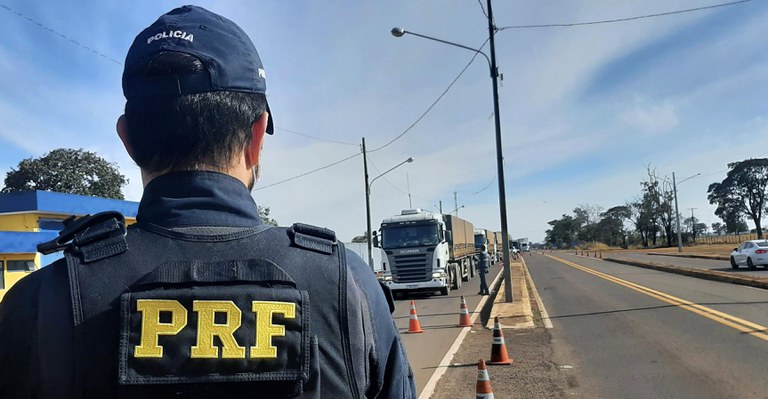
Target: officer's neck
{"points": [[239, 172]]}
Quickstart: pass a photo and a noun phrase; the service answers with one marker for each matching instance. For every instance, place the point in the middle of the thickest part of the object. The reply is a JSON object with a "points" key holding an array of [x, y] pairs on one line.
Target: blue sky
{"points": [[584, 110]]}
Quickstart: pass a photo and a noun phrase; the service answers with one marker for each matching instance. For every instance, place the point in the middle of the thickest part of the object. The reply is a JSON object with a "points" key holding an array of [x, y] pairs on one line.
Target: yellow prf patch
{"points": [[265, 330], [207, 328], [152, 328]]}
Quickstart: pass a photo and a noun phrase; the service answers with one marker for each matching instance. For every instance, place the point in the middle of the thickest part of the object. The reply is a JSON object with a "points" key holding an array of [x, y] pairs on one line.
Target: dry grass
{"points": [[594, 246], [712, 249]]}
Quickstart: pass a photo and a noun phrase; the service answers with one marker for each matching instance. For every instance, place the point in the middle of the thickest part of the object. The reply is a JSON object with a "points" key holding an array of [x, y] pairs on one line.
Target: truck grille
{"points": [[411, 268]]}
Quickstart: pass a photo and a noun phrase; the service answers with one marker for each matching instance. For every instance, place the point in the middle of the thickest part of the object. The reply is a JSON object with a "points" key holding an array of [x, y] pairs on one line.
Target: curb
{"points": [[703, 274], [679, 255], [516, 314]]}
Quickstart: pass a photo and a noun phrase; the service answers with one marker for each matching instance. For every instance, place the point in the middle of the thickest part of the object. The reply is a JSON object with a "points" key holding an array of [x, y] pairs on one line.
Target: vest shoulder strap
{"points": [[90, 237], [314, 238]]}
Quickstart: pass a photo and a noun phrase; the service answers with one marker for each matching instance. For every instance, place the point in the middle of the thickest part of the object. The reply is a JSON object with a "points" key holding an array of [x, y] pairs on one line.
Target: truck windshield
{"points": [[409, 236]]}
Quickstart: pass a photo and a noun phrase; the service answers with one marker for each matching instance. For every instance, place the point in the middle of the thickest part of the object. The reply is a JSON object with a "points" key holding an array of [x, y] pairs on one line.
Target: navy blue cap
{"points": [[226, 52]]}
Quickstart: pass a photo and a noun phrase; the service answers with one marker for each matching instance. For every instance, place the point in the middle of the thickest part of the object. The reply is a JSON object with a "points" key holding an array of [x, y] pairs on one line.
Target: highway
{"points": [[438, 316], [630, 332]]}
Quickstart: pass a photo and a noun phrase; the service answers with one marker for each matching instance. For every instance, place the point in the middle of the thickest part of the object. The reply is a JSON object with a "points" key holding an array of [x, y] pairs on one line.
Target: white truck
{"points": [[490, 242], [426, 251]]}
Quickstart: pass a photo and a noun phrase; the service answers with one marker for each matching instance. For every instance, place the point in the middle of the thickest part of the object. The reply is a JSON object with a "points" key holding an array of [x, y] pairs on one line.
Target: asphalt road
{"points": [[630, 332], [438, 316], [696, 263]]}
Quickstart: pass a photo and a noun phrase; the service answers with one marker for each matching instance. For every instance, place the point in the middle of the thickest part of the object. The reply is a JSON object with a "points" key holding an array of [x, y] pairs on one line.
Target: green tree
{"points": [[718, 228], [586, 218], [564, 231], [643, 215], [67, 170], [743, 191], [694, 226], [610, 228], [660, 194], [360, 238], [264, 214]]}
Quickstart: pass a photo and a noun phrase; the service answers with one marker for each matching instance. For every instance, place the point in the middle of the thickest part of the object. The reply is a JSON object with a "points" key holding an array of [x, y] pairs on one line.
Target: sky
{"points": [[584, 110]]}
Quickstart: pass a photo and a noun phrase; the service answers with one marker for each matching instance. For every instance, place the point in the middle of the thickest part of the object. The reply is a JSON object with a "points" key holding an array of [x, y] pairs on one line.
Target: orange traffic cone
{"points": [[483, 390], [499, 348], [464, 320], [413, 324]]}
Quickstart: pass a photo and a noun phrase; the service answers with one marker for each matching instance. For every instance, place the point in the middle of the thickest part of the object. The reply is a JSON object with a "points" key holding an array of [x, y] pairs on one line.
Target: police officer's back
{"points": [[198, 299]]}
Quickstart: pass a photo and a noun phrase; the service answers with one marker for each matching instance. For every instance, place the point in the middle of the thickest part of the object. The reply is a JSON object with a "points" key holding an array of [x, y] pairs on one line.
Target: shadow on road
{"points": [[651, 308]]}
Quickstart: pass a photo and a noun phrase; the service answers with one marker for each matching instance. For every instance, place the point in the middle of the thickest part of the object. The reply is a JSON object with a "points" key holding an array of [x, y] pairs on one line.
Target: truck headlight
{"points": [[438, 274]]}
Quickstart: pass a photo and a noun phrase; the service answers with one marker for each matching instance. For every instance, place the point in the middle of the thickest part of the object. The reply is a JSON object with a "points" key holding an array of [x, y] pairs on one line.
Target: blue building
{"points": [[31, 217]]}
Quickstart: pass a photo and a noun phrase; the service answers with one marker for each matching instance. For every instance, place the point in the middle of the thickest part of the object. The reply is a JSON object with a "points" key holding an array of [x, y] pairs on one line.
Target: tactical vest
{"points": [[264, 312]]}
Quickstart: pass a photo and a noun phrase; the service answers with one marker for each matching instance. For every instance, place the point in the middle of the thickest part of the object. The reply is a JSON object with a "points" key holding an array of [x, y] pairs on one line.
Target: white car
{"points": [[750, 253]]}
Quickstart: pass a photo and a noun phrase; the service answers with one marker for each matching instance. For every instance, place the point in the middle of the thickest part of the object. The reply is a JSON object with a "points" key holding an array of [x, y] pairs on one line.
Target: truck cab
{"points": [[417, 253]]}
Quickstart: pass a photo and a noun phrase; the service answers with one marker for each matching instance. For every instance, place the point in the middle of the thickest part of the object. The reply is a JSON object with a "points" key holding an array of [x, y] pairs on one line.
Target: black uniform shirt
{"points": [[39, 305]]}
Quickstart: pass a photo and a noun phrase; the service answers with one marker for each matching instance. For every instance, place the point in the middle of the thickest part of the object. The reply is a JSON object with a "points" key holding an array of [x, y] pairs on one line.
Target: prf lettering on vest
{"points": [[152, 328]]}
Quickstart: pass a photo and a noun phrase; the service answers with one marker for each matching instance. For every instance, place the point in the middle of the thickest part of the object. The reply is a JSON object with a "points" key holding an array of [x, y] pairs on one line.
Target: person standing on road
{"points": [[483, 269], [198, 299]]}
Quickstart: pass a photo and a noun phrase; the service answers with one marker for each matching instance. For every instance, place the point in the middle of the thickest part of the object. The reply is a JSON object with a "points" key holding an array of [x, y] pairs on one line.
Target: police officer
{"points": [[483, 269], [198, 298]]}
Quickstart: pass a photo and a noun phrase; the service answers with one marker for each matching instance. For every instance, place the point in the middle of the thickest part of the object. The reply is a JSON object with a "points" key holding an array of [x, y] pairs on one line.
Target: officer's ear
{"points": [[122, 132], [253, 149]]}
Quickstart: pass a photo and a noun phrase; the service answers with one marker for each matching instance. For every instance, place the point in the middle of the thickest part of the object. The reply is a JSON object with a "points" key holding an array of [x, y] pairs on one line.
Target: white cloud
{"points": [[651, 119]]}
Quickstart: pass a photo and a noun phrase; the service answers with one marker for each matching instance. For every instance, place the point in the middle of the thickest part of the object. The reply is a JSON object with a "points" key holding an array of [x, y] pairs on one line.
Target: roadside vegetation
{"points": [[650, 220]]}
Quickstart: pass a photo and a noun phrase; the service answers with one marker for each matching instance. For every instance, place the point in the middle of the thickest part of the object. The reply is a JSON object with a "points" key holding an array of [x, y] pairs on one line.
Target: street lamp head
{"points": [[409, 160], [397, 32]]}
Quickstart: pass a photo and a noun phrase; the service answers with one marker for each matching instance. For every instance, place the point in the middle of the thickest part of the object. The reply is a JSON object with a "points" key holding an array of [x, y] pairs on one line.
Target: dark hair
{"points": [[190, 131]]}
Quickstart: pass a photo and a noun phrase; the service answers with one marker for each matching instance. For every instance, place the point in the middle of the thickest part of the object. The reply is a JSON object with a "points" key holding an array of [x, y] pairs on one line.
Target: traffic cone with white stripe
{"points": [[499, 348], [483, 390], [464, 320], [414, 326]]}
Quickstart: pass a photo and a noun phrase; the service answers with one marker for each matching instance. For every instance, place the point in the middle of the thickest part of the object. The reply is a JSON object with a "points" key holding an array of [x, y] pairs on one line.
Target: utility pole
{"points": [[677, 215], [408, 183], [456, 203], [367, 207], [499, 158]]}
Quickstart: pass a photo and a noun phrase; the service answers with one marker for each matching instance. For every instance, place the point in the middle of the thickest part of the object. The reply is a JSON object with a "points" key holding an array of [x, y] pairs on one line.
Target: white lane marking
{"points": [[539, 303], [429, 389]]}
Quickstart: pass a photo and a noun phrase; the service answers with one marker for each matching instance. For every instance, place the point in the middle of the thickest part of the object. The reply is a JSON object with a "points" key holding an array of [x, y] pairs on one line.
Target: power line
{"points": [[315, 137], [482, 8], [440, 97], [486, 186], [61, 35], [308, 173], [608, 21]]}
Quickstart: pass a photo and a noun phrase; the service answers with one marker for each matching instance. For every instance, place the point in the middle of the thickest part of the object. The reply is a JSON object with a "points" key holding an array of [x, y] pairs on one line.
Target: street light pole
{"points": [[368, 199], [399, 32]]}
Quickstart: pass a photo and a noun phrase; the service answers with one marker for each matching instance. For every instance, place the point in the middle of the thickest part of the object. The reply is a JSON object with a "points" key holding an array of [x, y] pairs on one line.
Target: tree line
{"points": [[650, 219]]}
